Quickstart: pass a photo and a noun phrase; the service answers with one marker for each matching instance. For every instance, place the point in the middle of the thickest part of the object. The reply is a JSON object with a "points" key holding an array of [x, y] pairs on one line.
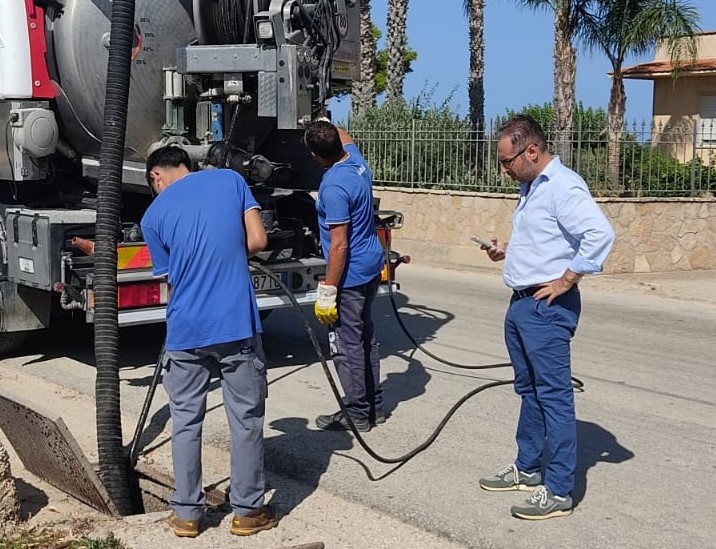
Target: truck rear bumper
{"points": [[266, 302]]}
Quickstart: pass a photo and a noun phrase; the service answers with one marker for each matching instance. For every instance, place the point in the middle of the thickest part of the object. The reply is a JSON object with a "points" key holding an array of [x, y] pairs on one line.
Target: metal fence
{"points": [[652, 161]]}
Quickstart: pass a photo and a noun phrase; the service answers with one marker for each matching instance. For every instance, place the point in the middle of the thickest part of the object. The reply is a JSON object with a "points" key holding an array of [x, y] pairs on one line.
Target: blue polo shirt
{"points": [[346, 196], [195, 233]]}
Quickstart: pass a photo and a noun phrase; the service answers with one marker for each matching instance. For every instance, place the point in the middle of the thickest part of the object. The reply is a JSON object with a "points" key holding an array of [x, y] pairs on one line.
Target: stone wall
{"points": [[653, 235]]}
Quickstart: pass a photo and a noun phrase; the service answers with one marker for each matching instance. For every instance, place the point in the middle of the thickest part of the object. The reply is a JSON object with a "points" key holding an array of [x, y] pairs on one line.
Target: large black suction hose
{"points": [[112, 461]]}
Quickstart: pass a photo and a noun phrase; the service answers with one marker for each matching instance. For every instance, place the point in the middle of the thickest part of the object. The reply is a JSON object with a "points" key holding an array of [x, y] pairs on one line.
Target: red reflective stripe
{"points": [[41, 85]]}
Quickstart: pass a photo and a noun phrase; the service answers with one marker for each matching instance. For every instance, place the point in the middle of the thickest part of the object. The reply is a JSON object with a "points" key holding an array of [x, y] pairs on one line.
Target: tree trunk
{"points": [[397, 24], [363, 90], [565, 74], [476, 82], [615, 124]]}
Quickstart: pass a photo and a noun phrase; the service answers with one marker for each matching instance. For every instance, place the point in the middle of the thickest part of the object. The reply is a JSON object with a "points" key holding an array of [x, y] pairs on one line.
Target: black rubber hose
{"points": [[336, 393], [577, 383], [112, 460]]}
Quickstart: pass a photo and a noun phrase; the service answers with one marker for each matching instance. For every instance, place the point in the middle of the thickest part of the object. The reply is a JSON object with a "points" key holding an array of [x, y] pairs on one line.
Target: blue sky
{"points": [[518, 58]]}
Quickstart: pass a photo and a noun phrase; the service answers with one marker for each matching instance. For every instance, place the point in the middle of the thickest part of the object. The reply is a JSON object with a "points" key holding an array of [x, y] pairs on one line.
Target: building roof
{"points": [[663, 69]]}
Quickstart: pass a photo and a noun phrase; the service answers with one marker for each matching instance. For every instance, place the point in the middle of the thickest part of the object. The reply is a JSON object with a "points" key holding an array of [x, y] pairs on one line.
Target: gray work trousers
{"points": [[355, 351], [241, 366]]}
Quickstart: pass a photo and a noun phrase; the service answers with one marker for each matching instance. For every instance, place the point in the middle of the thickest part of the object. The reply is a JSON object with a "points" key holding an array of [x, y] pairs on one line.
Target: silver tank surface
{"points": [[80, 38]]}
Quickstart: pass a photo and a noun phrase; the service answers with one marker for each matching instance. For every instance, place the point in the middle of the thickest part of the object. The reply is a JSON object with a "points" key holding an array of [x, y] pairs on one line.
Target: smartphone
{"points": [[480, 242]]}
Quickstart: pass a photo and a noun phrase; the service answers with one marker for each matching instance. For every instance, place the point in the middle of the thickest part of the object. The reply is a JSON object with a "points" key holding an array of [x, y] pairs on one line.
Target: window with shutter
{"points": [[706, 131]]}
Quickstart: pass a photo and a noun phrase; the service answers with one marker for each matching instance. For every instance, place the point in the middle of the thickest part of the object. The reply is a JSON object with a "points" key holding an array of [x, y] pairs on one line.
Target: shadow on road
{"points": [[594, 445], [285, 340], [422, 322], [138, 345], [32, 499], [303, 454]]}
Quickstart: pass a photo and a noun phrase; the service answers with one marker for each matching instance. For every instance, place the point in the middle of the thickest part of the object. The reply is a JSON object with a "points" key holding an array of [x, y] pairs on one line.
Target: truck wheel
{"points": [[9, 341]]}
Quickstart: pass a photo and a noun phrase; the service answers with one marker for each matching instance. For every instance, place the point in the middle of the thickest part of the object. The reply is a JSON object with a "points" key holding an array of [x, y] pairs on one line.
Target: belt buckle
{"points": [[525, 292]]}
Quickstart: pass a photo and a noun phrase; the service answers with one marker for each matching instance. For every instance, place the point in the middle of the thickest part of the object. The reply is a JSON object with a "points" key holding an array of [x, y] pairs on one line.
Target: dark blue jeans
{"points": [[355, 351], [537, 338]]}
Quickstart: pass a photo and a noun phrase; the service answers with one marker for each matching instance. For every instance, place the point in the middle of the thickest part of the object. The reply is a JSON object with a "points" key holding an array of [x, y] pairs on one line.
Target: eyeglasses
{"points": [[507, 163]]}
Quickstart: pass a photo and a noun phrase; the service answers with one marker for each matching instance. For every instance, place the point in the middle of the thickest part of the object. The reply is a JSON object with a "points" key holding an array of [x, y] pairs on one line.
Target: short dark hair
{"points": [[322, 139], [167, 157], [522, 130]]}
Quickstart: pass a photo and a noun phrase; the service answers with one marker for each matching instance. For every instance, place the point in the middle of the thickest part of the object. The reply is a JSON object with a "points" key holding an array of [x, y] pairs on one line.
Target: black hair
{"points": [[323, 140], [167, 157], [522, 130]]}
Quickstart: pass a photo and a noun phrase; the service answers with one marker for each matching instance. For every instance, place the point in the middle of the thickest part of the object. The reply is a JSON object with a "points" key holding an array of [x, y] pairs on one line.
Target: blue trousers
{"points": [[242, 368], [537, 338], [354, 350]]}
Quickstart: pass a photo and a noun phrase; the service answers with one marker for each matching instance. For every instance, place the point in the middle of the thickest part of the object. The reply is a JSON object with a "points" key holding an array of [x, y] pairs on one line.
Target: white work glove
{"points": [[325, 308]]}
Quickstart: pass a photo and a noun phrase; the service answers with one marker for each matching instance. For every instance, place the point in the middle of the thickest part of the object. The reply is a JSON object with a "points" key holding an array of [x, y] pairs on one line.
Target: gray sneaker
{"points": [[509, 478], [543, 504]]}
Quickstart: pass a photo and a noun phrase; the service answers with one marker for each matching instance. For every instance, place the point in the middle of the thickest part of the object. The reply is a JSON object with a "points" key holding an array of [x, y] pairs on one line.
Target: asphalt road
{"points": [[646, 420]]}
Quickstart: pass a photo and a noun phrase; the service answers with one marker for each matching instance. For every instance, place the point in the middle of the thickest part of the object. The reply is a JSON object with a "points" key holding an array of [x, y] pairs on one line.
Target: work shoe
{"points": [[509, 478], [543, 504], [337, 422], [183, 528], [257, 520]]}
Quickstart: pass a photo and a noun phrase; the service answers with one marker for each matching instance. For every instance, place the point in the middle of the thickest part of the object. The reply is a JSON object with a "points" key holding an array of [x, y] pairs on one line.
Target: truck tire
{"points": [[9, 341]]}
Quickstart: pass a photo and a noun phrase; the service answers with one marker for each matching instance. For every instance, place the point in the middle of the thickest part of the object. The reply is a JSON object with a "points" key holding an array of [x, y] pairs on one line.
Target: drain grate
{"points": [[49, 451]]}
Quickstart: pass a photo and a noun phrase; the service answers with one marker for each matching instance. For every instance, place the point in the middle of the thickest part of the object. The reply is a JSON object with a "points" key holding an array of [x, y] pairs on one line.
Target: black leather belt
{"points": [[527, 292], [532, 290]]}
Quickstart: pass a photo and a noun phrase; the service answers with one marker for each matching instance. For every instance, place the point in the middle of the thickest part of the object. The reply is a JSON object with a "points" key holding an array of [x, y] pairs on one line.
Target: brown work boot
{"points": [[183, 528], [257, 520]]}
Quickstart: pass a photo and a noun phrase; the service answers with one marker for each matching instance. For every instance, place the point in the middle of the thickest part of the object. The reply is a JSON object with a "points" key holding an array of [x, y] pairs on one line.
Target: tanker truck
{"points": [[233, 82]]}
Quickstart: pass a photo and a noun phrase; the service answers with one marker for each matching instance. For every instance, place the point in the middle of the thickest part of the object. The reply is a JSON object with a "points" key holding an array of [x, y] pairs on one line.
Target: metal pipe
{"points": [[134, 444]]}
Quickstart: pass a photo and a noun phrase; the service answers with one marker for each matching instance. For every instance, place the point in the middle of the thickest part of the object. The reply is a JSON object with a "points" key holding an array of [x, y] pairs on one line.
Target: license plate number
{"points": [[263, 282]]}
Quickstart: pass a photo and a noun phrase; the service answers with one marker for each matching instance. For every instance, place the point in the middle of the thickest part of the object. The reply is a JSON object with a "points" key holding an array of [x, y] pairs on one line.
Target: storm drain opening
{"points": [[47, 449]]}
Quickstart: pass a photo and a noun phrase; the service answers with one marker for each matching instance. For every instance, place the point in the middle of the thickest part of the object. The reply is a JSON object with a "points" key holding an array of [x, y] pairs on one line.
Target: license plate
{"points": [[263, 282]]}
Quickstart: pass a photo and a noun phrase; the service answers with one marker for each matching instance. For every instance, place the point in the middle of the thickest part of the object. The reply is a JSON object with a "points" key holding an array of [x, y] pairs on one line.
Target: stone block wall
{"points": [[653, 235]]}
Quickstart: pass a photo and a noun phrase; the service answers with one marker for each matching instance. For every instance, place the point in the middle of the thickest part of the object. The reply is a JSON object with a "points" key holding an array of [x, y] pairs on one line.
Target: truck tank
{"points": [[78, 40]]}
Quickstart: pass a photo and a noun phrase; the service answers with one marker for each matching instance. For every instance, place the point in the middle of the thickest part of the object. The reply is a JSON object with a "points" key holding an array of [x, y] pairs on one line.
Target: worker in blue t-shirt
{"points": [[200, 230], [355, 259]]}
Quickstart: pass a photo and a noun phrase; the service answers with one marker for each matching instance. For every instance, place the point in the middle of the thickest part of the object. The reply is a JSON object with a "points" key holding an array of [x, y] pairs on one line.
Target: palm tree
{"points": [[624, 27], [567, 16], [475, 12], [397, 44], [364, 91]]}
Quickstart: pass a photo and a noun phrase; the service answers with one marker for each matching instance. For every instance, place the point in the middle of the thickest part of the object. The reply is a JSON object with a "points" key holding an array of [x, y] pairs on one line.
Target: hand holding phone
{"points": [[494, 252], [480, 242]]}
